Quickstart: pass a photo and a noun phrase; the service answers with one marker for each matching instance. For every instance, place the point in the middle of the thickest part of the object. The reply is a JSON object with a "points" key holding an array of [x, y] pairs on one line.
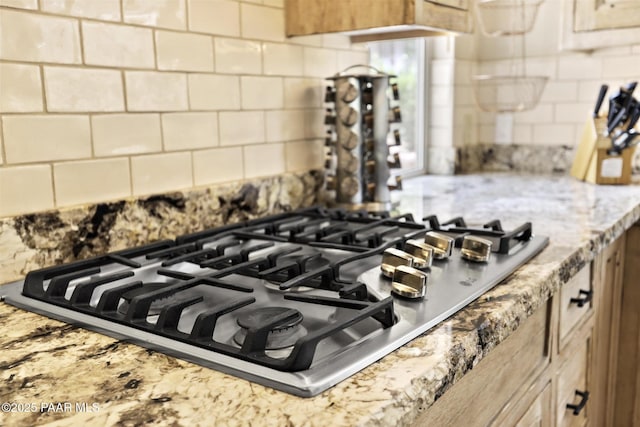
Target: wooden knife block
{"points": [[593, 164]]}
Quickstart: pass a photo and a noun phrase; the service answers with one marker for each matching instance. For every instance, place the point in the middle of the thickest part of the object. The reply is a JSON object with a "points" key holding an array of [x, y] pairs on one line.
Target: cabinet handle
{"points": [[584, 396], [588, 296]]}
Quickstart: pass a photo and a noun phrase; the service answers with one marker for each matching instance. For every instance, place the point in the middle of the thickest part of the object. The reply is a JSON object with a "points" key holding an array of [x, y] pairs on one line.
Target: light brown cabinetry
{"points": [[608, 269], [590, 24], [366, 20], [564, 366], [573, 382], [627, 384]]}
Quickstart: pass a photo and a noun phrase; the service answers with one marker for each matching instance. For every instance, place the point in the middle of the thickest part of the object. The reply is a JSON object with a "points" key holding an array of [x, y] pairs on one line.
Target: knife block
{"points": [[593, 164]]}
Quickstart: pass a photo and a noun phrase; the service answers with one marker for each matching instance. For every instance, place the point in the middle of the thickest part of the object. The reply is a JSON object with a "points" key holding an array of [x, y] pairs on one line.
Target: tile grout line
{"points": [[154, 35], [81, 36], [121, 9], [130, 164], [2, 146]]}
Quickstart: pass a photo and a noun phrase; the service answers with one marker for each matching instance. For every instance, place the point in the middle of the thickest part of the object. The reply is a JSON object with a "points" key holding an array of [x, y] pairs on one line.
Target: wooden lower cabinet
{"points": [[490, 387], [608, 272], [627, 385], [573, 363], [573, 382], [539, 412], [534, 408]]}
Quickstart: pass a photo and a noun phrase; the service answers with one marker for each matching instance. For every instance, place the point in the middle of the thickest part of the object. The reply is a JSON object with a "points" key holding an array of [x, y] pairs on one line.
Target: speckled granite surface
{"points": [[542, 159], [33, 241], [46, 361]]}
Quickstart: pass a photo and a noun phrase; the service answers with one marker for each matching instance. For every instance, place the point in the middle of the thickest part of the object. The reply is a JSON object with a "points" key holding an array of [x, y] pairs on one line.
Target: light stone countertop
{"points": [[42, 360]]}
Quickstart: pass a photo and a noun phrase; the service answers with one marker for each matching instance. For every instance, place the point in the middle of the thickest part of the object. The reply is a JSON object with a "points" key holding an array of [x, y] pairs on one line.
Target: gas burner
{"points": [[156, 306], [232, 298], [281, 336], [290, 265], [274, 285]]}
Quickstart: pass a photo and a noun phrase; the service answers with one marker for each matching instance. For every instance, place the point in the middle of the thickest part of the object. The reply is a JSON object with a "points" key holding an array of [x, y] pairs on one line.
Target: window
{"points": [[406, 59]]}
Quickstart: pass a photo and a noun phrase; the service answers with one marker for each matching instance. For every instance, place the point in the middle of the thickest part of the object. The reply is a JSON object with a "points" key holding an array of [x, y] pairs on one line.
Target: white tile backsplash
{"points": [[218, 165], [117, 45], [214, 92], [560, 91], [542, 113], [105, 10], [184, 52], [156, 13], [347, 58], [220, 17], [579, 67], [261, 92], [155, 91], [39, 38], [303, 92], [285, 125], [255, 164], [552, 134], [304, 155], [20, 88], [234, 56], [320, 62], [189, 130], [167, 94], [20, 4], [262, 23], [573, 112], [158, 173], [38, 138], [123, 134], [70, 89], [242, 127], [104, 179], [16, 183], [282, 59]]}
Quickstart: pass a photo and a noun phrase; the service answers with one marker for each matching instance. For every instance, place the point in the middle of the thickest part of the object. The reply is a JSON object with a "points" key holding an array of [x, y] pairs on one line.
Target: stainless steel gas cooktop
{"points": [[297, 301]]}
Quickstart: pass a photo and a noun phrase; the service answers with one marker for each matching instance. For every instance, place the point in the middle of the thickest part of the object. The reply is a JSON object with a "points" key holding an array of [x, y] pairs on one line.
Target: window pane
{"points": [[405, 58]]}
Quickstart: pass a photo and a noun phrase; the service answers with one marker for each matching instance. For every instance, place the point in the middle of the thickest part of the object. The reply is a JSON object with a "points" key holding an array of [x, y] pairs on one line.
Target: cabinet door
{"points": [[575, 303], [590, 24], [458, 4], [367, 20], [607, 301], [573, 385], [594, 15], [627, 410], [533, 409], [482, 394], [450, 15], [538, 414]]}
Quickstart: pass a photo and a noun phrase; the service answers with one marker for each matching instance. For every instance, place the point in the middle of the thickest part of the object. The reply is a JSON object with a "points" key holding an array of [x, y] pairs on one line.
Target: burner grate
{"points": [[320, 263]]}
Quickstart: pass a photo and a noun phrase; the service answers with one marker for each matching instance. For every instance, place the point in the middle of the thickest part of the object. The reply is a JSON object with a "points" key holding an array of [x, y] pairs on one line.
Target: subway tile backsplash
{"points": [[20, 88], [45, 138], [109, 99]]}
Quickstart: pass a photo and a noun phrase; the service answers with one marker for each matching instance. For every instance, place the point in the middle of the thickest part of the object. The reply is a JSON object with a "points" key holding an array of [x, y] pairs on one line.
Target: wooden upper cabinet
{"points": [[590, 24], [366, 20]]}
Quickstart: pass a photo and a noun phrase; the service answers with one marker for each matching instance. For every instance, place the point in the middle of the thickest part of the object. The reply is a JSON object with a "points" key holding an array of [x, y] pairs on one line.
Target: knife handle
{"points": [[616, 121], [635, 115], [601, 95]]}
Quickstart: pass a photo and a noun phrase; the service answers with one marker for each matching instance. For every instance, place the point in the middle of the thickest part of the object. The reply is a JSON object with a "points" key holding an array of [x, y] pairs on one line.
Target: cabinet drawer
{"points": [[538, 414], [575, 303], [533, 409], [572, 384], [483, 393]]}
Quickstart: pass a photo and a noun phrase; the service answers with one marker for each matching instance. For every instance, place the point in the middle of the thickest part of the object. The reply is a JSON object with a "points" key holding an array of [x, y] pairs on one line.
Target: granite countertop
{"points": [[44, 361]]}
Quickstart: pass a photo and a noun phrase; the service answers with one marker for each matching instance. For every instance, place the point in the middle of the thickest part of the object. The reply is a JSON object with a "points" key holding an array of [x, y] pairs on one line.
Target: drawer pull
{"points": [[584, 396], [588, 296]]}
